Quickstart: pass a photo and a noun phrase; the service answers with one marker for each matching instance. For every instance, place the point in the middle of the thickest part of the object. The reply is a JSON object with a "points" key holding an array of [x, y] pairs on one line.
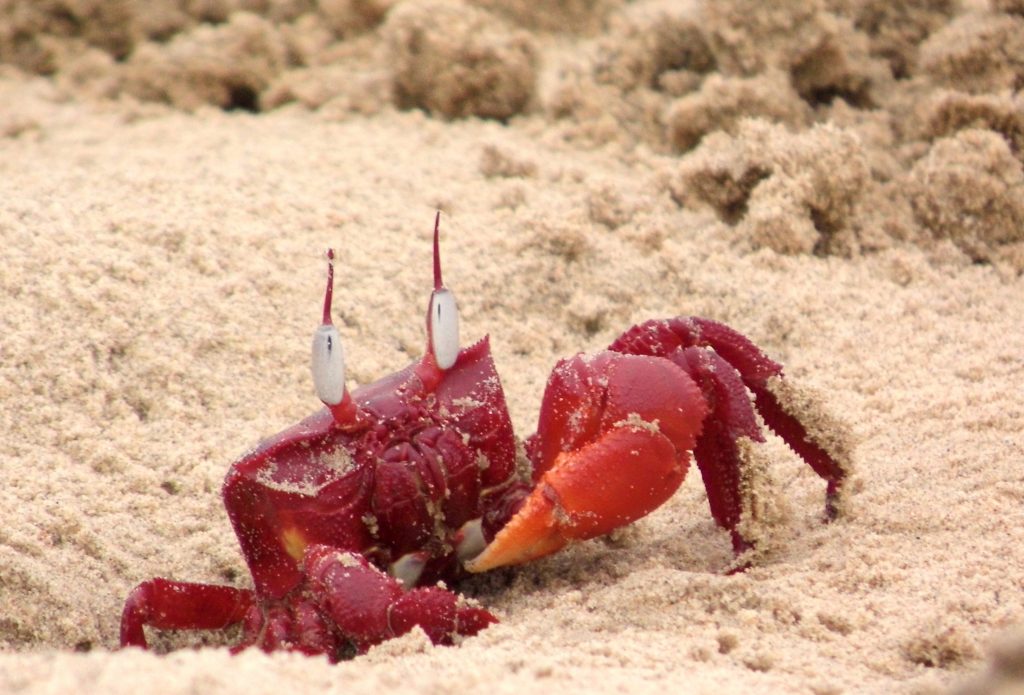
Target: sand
{"points": [[842, 181]]}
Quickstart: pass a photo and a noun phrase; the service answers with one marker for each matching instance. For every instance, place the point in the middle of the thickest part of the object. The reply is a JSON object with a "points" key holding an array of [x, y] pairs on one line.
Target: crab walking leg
{"points": [[728, 466], [829, 456], [612, 446], [170, 605], [299, 628], [368, 606], [819, 439]]}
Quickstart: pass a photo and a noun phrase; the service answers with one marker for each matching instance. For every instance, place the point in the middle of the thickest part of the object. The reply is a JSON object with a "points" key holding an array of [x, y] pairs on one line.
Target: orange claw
{"points": [[627, 469], [609, 483]]}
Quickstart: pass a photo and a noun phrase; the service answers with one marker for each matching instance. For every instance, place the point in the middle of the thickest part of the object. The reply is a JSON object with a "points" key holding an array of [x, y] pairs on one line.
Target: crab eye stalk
{"points": [[442, 314], [444, 327], [328, 363]]}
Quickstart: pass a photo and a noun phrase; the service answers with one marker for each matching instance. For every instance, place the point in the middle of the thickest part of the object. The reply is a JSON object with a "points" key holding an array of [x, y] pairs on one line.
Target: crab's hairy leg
{"points": [[817, 438], [724, 461], [823, 442], [170, 605], [368, 606], [612, 445], [820, 440]]}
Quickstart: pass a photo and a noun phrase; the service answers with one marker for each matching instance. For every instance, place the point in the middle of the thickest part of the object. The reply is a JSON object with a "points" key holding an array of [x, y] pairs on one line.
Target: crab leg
{"points": [[170, 605], [727, 463], [610, 448], [368, 606], [785, 410], [777, 402], [816, 437]]}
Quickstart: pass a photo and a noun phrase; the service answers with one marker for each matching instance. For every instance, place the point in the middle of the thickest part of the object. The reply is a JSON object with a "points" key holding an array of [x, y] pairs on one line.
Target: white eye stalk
{"points": [[444, 327], [442, 314], [328, 363]]}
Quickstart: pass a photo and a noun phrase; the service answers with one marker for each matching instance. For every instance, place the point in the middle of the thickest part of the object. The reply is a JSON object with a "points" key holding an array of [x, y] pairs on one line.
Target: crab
{"points": [[352, 521]]}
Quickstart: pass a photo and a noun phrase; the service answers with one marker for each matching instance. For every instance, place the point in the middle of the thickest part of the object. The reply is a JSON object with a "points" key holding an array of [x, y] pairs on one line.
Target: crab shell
{"points": [[420, 462]]}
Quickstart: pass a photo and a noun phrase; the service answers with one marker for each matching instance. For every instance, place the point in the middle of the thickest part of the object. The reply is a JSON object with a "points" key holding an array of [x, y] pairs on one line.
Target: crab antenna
{"points": [[438, 283], [329, 293]]}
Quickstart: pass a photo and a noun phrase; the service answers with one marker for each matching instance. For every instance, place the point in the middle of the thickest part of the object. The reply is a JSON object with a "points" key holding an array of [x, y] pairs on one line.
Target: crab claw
{"points": [[611, 446], [368, 606]]}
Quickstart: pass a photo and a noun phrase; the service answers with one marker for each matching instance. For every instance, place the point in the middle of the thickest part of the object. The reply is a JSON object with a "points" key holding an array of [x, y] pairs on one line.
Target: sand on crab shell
{"points": [[162, 269]]}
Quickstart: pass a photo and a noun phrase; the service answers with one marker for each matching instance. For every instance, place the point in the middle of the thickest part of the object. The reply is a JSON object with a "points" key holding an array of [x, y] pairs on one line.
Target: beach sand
{"points": [[842, 181]]}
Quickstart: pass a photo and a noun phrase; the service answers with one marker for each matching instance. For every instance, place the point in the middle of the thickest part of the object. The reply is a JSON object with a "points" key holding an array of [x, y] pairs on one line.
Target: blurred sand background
{"points": [[841, 180]]}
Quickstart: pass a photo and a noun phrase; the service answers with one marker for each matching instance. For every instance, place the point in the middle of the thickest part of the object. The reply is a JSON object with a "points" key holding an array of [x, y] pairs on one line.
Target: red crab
{"points": [[350, 520]]}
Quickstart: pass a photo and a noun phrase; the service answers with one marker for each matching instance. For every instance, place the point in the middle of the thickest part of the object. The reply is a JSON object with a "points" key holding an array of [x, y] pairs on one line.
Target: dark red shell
{"points": [[416, 465]]}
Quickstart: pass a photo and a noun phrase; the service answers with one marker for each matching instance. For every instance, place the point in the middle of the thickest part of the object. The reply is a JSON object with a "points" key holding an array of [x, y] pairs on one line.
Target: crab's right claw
{"points": [[612, 445]]}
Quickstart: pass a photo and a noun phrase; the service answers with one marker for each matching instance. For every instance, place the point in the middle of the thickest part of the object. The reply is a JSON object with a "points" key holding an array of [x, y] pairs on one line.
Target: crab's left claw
{"points": [[368, 606], [611, 446]]}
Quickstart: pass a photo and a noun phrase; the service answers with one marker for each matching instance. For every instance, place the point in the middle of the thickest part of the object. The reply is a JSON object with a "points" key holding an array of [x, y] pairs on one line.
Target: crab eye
{"points": [[444, 327], [328, 365]]}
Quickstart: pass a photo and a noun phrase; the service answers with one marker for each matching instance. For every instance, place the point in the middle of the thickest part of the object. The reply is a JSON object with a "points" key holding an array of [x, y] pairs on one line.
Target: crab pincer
{"points": [[611, 446]]}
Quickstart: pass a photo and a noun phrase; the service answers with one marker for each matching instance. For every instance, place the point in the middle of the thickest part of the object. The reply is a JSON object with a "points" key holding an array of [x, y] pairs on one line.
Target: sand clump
{"points": [[977, 53], [895, 30], [666, 74], [225, 66], [1009, 6], [970, 188], [822, 52], [579, 16], [800, 66], [952, 111], [615, 89], [38, 36], [455, 60], [721, 102], [781, 190], [446, 56]]}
